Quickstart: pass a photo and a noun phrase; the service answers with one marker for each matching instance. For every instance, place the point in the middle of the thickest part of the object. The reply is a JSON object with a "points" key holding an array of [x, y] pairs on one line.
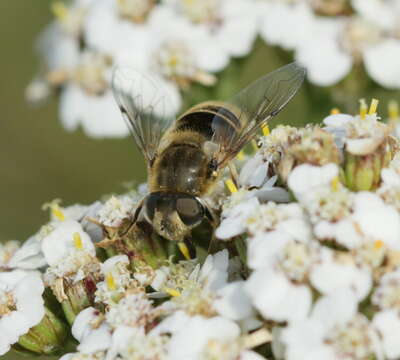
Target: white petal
{"points": [[381, 62], [276, 297], [387, 322]]}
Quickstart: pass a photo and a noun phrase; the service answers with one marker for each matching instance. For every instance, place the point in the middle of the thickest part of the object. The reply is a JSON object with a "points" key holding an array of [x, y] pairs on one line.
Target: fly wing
{"points": [[148, 106], [254, 106]]}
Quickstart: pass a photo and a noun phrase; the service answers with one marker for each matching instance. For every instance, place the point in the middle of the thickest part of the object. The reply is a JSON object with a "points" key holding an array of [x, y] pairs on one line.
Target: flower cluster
{"points": [[329, 37], [303, 264], [177, 43]]}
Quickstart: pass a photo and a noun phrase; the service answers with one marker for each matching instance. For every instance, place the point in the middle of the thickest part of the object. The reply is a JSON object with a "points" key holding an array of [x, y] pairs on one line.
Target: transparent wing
{"points": [[254, 106], [148, 106]]}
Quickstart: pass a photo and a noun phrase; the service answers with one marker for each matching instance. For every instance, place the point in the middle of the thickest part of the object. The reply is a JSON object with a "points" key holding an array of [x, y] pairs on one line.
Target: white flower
{"points": [[330, 273], [21, 306], [386, 295], [115, 210], [381, 63], [134, 310], [91, 331], [230, 25], [205, 290], [387, 322], [285, 23], [201, 338], [66, 239], [334, 330], [321, 53], [277, 289], [79, 356], [28, 256], [117, 279]]}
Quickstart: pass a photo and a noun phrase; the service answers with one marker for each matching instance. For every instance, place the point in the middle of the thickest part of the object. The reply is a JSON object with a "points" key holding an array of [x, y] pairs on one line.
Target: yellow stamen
{"points": [[373, 107], [110, 282], [363, 109], [77, 241], [55, 209], [59, 9], [254, 145], [335, 111], [231, 186], [265, 130], [393, 108], [335, 184], [172, 292], [378, 244], [240, 155], [184, 250]]}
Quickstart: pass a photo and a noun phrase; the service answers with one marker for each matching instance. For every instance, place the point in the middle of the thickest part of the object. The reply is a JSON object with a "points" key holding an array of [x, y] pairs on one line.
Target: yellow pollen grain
{"points": [[59, 10], [335, 184], [231, 186], [393, 109], [184, 250], [373, 107], [172, 292], [77, 241], [378, 244], [240, 155], [110, 282], [265, 130], [363, 109], [57, 212], [335, 111]]}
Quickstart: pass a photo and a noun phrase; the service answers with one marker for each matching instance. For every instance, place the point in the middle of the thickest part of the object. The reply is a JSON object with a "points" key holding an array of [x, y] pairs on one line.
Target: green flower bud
{"points": [[45, 338]]}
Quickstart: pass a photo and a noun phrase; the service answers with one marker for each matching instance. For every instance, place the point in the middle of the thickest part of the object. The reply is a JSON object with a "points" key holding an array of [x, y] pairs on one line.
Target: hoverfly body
{"points": [[186, 156]]}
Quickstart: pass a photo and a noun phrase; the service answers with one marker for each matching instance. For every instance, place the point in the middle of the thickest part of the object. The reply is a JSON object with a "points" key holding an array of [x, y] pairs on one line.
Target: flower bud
{"points": [[46, 337]]}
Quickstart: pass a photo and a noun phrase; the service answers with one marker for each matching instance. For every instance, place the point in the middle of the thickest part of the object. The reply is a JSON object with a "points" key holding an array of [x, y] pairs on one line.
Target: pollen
{"points": [[393, 109], [172, 292], [110, 282], [378, 244], [335, 111], [231, 186], [265, 130], [55, 209], [59, 10], [363, 109], [77, 241], [335, 184], [373, 107], [184, 250]]}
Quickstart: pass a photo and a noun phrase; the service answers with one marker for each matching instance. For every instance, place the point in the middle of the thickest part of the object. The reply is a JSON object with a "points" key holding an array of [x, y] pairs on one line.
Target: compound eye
{"points": [[190, 211]]}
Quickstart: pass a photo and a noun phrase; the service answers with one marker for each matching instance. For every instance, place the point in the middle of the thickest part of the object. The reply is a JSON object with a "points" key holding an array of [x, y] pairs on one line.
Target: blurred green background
{"points": [[40, 161]]}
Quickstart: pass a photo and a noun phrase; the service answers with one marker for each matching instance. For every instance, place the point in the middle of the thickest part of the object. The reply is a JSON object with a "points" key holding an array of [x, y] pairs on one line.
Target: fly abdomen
{"points": [[206, 117]]}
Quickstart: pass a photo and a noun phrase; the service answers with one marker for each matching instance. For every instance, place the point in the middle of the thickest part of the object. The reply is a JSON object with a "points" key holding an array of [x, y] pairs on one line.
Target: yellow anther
{"points": [[378, 244], [172, 292], [335, 111], [57, 212], [77, 241], [55, 209], [363, 109], [110, 282], [254, 145], [335, 183], [240, 155], [373, 107], [184, 250], [265, 130], [231, 186], [393, 109], [59, 9]]}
